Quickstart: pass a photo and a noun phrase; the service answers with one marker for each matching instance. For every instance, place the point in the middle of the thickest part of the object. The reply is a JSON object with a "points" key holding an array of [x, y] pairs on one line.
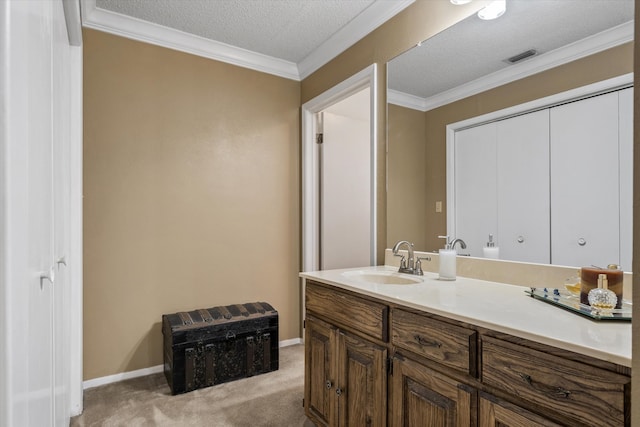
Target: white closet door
{"points": [[475, 186], [523, 187], [61, 131], [626, 177], [585, 221]]}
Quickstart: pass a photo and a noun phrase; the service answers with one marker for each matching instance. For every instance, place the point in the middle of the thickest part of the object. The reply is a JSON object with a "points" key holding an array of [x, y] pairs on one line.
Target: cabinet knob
{"points": [[582, 242], [339, 391], [329, 385], [520, 239]]}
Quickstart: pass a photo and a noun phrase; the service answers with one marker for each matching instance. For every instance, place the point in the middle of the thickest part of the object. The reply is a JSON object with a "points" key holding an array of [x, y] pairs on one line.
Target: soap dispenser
{"points": [[447, 268], [491, 250]]}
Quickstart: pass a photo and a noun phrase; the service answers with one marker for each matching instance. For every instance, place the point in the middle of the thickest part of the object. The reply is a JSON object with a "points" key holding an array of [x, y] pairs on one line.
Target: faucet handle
{"points": [[403, 260], [418, 270]]}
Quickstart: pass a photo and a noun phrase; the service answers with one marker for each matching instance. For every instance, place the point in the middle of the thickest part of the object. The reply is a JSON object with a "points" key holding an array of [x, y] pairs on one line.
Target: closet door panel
{"points": [[475, 186], [625, 124], [584, 188], [523, 187]]}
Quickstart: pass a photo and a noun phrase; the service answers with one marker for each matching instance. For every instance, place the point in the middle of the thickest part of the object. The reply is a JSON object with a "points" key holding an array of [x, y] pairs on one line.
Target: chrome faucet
{"points": [[405, 267], [408, 266], [463, 245]]}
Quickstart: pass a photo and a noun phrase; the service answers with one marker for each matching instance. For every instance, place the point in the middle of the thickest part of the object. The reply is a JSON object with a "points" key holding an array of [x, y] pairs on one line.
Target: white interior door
{"points": [[476, 186], [523, 187], [345, 224], [585, 220], [32, 318]]}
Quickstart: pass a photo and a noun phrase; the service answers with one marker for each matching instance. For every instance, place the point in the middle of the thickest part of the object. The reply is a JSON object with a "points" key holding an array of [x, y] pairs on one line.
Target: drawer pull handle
{"points": [[426, 343], [553, 391], [526, 378], [339, 391], [560, 392], [329, 385]]}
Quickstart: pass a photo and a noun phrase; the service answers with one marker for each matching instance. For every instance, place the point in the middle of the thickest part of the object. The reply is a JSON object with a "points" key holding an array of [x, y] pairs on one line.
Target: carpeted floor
{"points": [[273, 399]]}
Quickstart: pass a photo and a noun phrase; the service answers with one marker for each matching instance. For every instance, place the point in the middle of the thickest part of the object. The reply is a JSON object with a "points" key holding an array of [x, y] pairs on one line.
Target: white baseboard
{"points": [[109, 379]]}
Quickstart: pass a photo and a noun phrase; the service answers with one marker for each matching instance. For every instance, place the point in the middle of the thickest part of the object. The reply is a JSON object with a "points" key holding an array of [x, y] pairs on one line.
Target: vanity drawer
{"points": [[587, 394], [450, 345], [348, 311]]}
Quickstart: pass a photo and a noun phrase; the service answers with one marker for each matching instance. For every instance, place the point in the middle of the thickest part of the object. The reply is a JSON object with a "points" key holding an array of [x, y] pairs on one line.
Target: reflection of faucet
{"points": [[463, 245], [404, 266]]}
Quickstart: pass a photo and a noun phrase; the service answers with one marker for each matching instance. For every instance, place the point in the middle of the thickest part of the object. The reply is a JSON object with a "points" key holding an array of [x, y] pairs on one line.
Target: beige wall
{"points": [[191, 195], [407, 176]]}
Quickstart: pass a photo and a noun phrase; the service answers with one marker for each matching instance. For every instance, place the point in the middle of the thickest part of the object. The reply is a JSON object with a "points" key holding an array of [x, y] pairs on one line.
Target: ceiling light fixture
{"points": [[493, 10], [458, 2]]}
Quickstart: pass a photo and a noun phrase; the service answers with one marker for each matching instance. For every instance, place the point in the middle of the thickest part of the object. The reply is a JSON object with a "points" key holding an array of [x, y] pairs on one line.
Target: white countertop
{"points": [[497, 306]]}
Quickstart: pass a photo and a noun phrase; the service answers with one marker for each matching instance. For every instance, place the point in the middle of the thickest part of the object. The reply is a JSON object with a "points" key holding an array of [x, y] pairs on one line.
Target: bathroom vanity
{"points": [[383, 348]]}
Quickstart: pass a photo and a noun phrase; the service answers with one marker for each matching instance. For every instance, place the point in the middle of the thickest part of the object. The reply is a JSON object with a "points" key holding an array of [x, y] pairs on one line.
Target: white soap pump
{"points": [[447, 268], [491, 250]]}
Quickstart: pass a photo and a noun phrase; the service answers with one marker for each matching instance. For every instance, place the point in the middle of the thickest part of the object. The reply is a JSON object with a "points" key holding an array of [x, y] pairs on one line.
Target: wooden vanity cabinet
{"points": [[345, 371], [435, 371], [423, 397], [494, 412]]}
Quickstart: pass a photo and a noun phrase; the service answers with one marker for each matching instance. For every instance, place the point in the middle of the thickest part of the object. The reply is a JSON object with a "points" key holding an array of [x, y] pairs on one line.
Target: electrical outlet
{"points": [[438, 207]]}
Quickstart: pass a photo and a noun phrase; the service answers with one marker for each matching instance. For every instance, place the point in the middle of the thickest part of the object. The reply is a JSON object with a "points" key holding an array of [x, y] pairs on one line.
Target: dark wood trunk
{"points": [[215, 345]]}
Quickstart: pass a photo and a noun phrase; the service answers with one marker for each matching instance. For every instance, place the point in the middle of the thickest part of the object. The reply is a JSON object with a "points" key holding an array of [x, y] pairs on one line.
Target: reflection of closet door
{"points": [[475, 186], [584, 189], [523, 187], [626, 177]]}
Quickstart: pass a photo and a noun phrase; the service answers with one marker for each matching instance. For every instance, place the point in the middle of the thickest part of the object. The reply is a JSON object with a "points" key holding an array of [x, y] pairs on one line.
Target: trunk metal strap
{"points": [[186, 318]]}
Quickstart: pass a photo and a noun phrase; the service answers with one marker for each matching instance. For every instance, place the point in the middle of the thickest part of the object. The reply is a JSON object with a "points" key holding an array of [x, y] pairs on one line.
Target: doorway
{"points": [[329, 216]]}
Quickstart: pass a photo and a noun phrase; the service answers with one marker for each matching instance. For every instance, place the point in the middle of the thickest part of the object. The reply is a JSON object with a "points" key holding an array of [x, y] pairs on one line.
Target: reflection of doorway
{"points": [[345, 181], [339, 176]]}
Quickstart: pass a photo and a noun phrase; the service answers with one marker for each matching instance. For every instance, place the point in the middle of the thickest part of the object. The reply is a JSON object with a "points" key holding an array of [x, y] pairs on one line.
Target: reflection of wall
{"points": [[191, 195], [407, 177], [601, 66]]}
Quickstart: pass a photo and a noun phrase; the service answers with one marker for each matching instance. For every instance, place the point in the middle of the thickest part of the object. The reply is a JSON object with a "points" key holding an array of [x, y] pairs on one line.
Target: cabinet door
{"points": [[319, 388], [495, 413], [362, 382], [475, 186], [422, 397], [585, 219], [523, 188]]}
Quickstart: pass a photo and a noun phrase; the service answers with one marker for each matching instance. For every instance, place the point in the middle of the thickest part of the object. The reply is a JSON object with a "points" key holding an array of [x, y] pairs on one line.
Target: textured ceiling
{"points": [[285, 29], [476, 48]]}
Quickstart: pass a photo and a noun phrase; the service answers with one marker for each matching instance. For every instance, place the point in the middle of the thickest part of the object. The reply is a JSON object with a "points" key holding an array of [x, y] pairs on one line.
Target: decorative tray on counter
{"points": [[568, 301]]}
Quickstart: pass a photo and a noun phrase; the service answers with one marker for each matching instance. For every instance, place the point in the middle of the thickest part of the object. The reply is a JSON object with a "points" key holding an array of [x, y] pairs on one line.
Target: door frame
{"points": [[310, 165]]}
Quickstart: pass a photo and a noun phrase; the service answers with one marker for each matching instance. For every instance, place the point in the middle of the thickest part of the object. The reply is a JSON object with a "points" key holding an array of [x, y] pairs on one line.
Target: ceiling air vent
{"points": [[521, 56]]}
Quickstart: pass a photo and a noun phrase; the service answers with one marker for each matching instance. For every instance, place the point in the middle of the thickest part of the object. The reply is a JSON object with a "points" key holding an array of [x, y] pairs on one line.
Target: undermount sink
{"points": [[381, 277]]}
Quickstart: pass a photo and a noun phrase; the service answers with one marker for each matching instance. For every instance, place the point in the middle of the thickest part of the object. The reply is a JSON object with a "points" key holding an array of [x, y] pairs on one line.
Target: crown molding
{"points": [[406, 100], [374, 16], [598, 42], [137, 29]]}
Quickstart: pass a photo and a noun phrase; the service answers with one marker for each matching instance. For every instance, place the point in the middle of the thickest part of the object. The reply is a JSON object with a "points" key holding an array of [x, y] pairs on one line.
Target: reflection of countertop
{"points": [[497, 306]]}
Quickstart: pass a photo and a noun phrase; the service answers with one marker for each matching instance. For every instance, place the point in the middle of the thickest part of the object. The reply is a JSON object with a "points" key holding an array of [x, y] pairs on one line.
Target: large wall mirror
{"points": [[538, 56]]}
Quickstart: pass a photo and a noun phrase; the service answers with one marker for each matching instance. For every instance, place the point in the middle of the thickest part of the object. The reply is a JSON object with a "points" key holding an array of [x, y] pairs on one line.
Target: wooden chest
{"points": [[215, 345]]}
